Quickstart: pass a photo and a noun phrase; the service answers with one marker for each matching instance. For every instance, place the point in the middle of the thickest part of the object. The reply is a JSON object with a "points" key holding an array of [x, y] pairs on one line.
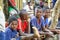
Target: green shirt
{"points": [[10, 8]]}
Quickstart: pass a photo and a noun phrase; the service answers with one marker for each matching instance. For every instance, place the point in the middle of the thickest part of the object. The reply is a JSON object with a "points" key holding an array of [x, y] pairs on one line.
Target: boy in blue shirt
{"points": [[46, 16], [48, 23], [11, 31], [38, 22]]}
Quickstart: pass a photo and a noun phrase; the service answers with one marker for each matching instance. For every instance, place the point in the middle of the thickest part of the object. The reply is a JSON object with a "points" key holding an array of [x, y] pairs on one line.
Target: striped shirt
{"points": [[2, 20]]}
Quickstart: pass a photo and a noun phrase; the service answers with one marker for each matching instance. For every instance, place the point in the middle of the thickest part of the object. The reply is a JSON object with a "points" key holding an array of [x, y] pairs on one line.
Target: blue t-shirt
{"points": [[9, 34], [34, 23], [47, 23]]}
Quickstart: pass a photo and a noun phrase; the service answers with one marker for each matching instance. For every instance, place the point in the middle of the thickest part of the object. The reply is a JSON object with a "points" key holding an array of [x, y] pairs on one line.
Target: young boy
{"points": [[23, 25], [38, 22], [46, 16], [11, 31]]}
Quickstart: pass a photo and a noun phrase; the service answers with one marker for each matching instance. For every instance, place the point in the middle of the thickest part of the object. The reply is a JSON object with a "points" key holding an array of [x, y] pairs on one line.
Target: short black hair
{"points": [[38, 8], [11, 19], [22, 12]]}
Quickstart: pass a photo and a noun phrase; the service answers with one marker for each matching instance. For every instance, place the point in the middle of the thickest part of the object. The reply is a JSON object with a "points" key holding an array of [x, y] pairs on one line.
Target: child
{"points": [[11, 31], [23, 27]]}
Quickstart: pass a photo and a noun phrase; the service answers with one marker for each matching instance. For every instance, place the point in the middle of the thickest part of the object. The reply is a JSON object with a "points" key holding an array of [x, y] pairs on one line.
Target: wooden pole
{"points": [[55, 18]]}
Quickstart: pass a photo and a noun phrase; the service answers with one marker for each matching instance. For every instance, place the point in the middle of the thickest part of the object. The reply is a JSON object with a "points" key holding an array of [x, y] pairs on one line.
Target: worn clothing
{"points": [[9, 34], [2, 35], [22, 25], [34, 23], [46, 21]]}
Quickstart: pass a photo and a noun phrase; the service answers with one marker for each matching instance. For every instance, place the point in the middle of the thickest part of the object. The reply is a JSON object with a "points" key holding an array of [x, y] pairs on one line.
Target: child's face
{"points": [[14, 25], [39, 13], [47, 13], [25, 17]]}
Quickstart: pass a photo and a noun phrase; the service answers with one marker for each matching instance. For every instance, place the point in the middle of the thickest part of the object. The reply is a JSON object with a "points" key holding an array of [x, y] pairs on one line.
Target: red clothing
{"points": [[13, 2], [19, 24], [6, 24], [22, 26]]}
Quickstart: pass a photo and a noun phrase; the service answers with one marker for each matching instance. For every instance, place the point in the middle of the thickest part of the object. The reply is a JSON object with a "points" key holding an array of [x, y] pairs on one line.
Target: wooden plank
{"points": [[55, 18]]}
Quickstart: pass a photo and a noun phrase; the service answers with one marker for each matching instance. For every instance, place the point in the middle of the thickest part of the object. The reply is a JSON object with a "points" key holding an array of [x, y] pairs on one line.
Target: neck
{"points": [[38, 18], [45, 17]]}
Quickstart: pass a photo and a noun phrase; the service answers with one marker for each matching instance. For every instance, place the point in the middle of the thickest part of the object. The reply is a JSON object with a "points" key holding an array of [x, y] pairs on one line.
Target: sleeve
{"points": [[7, 35], [43, 25], [46, 22], [19, 24], [32, 23]]}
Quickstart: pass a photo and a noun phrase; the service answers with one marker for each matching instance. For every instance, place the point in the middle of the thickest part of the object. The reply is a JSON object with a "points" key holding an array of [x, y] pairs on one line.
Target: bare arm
{"points": [[28, 28], [45, 29], [21, 33]]}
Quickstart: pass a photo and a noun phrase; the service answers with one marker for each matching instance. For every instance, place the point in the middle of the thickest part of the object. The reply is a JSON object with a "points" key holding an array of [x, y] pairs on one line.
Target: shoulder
{"points": [[42, 18], [19, 19], [8, 30], [33, 18]]}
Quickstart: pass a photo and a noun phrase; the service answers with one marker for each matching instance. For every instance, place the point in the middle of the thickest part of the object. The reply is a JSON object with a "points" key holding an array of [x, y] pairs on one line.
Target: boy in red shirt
{"points": [[23, 27], [22, 21]]}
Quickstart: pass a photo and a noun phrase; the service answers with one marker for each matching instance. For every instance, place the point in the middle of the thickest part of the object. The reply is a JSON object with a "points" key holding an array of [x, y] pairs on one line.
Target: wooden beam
{"points": [[21, 4], [55, 18]]}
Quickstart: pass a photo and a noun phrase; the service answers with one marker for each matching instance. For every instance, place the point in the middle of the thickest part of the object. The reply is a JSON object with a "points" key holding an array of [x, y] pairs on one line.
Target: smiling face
{"points": [[39, 13], [47, 13]]}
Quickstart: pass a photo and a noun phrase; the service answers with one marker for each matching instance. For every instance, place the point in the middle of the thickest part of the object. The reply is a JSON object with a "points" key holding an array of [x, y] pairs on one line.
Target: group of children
{"points": [[19, 29]]}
